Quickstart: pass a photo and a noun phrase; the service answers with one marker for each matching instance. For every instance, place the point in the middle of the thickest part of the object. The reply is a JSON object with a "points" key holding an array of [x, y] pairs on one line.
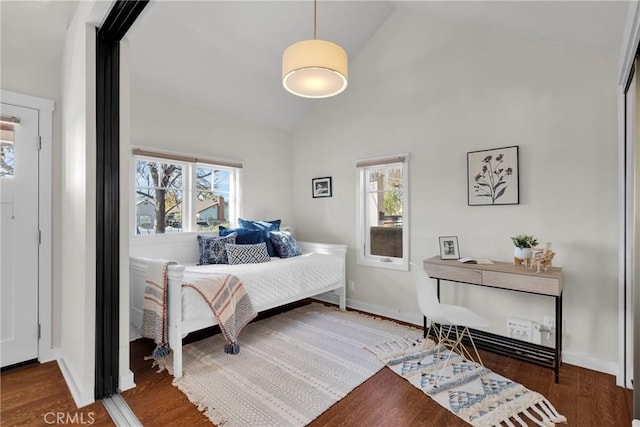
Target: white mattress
{"points": [[268, 282]]}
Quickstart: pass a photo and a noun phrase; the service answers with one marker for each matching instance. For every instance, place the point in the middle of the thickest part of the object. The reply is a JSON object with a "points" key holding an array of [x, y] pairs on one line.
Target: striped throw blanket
{"points": [[229, 301], [154, 314]]}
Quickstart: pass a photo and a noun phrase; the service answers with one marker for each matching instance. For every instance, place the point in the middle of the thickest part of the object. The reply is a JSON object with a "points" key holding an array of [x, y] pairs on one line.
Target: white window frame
{"points": [[362, 242], [189, 172]]}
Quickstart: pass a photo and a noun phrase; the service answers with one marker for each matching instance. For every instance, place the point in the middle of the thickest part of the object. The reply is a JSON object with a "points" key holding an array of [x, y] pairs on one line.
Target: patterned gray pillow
{"points": [[248, 254], [213, 250], [285, 244]]}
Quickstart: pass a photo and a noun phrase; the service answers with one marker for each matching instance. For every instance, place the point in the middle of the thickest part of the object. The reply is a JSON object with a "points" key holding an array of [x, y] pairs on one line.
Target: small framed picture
{"points": [[449, 247], [321, 187]]}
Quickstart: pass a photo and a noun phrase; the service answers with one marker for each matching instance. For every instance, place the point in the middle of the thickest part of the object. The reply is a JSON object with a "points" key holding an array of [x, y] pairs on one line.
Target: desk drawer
{"points": [[520, 282], [457, 274]]}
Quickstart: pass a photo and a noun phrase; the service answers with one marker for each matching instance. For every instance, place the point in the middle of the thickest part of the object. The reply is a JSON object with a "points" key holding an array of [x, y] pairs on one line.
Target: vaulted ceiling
{"points": [[226, 55]]}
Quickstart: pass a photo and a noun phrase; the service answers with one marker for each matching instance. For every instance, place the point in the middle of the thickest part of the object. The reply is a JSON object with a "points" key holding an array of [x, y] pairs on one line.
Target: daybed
{"points": [[271, 284]]}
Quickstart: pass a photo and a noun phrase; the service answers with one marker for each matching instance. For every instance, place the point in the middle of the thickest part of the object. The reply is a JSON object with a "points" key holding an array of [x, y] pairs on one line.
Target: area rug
{"points": [[290, 369], [472, 392]]}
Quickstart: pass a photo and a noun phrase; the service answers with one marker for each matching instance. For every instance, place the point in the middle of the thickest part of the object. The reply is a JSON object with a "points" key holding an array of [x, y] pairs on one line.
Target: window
{"points": [[383, 215], [177, 193], [212, 197], [7, 155]]}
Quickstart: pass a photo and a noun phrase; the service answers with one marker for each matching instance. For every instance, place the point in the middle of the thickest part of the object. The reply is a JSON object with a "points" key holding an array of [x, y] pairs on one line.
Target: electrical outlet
{"points": [[352, 286], [519, 328], [549, 322], [536, 334]]}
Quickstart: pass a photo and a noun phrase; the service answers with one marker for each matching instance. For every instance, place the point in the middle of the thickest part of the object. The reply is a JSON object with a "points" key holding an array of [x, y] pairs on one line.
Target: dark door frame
{"points": [[121, 17]]}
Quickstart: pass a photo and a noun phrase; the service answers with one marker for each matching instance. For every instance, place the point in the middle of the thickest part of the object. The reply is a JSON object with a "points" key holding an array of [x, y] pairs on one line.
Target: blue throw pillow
{"points": [[285, 244], [246, 236], [264, 227], [248, 254], [213, 250]]}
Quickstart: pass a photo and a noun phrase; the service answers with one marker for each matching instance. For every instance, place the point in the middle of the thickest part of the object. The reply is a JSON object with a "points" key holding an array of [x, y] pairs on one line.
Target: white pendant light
{"points": [[314, 68]]}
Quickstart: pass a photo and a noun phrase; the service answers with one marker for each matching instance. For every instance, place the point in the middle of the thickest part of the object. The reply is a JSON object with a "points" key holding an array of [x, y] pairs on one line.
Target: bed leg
{"points": [[177, 362], [175, 317], [343, 300]]}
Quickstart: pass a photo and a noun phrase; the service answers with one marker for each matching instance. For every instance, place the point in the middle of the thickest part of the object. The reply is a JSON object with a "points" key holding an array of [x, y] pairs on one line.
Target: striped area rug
{"points": [[291, 368]]}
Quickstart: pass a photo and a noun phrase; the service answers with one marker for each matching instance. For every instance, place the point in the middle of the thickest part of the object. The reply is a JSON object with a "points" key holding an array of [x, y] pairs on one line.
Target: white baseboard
{"points": [[82, 397], [135, 317], [134, 332], [412, 318], [328, 297], [581, 360], [49, 356], [125, 382], [588, 362]]}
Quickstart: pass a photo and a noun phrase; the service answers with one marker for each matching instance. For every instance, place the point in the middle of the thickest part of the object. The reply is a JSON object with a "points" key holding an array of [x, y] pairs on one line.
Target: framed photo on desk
{"points": [[449, 247]]}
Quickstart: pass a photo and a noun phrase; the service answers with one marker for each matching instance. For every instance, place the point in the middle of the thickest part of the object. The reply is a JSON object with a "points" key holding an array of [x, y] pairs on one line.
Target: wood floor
{"points": [[36, 395], [587, 398]]}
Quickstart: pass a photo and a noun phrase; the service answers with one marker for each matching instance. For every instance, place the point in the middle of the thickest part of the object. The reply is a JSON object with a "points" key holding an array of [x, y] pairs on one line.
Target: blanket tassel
{"points": [[232, 348], [161, 350]]}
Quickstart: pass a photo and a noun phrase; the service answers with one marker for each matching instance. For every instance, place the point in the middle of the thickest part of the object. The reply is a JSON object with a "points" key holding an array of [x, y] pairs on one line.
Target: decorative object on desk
{"points": [[542, 258], [469, 260], [492, 177], [321, 187], [523, 251], [449, 247], [469, 390]]}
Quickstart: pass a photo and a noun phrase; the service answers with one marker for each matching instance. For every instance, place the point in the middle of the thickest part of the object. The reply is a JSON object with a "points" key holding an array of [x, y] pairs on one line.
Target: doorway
{"points": [[18, 234], [25, 228]]}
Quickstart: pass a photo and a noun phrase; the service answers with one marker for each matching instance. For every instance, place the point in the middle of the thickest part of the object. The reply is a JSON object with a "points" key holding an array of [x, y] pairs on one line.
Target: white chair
{"points": [[446, 316]]}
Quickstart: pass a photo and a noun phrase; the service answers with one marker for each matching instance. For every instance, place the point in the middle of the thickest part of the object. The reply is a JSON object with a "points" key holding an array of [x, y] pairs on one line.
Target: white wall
{"points": [[125, 381], [37, 73], [162, 124], [78, 201], [439, 90]]}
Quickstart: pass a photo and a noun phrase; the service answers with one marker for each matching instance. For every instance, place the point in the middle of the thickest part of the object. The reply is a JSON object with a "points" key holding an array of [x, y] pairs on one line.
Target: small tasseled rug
{"points": [[472, 392], [291, 367]]}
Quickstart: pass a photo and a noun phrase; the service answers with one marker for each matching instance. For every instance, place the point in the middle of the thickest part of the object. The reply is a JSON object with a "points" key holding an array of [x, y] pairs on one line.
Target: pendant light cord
{"points": [[314, 19]]}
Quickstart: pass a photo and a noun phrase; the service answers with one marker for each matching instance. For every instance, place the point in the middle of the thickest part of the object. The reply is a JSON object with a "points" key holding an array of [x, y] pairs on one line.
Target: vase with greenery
{"points": [[523, 244]]}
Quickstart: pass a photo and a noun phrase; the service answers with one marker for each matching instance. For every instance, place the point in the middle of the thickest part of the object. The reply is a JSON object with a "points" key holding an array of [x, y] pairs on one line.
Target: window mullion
{"points": [[234, 202], [189, 193]]}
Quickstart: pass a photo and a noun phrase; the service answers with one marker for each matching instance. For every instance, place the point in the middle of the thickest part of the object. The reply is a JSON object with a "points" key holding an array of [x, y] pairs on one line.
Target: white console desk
{"points": [[504, 275]]}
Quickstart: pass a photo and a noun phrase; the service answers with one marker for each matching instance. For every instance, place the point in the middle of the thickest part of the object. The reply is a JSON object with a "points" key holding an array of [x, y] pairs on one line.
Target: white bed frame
{"points": [[178, 328]]}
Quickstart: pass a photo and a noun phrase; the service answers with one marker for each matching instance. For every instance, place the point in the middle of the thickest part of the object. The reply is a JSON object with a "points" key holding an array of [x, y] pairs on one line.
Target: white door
{"points": [[19, 237]]}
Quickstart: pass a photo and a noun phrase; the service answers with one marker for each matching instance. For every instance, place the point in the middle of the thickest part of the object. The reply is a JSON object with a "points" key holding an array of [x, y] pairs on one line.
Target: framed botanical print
{"points": [[492, 177]]}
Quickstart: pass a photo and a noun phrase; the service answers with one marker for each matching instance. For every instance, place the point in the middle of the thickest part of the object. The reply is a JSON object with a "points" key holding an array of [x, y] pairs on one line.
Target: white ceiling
{"points": [[226, 55], [39, 22]]}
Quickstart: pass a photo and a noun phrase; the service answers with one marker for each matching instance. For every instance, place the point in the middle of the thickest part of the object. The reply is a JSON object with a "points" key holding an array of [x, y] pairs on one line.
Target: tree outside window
{"points": [[212, 198], [158, 197], [176, 196]]}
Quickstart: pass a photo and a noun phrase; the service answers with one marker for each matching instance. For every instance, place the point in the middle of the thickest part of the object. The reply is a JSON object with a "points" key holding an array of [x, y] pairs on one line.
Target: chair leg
{"points": [[455, 346], [459, 348], [475, 349], [425, 334], [444, 341]]}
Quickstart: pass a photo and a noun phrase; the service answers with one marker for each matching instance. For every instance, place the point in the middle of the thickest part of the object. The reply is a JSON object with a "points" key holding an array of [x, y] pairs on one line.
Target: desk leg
{"points": [[438, 288], [558, 360]]}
